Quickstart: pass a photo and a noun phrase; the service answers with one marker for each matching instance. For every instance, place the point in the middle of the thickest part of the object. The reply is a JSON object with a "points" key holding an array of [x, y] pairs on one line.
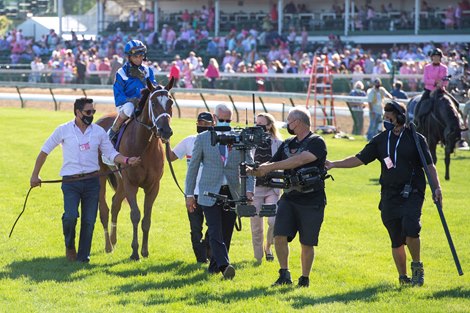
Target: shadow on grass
{"points": [[41, 269], [452, 293], [366, 295]]}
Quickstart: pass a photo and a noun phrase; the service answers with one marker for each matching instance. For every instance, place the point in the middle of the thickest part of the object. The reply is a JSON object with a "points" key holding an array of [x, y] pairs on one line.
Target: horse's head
{"points": [[160, 109]]}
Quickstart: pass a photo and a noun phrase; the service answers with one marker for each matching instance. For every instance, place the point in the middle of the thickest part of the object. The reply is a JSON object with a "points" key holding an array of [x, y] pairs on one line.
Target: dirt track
{"points": [[343, 123]]}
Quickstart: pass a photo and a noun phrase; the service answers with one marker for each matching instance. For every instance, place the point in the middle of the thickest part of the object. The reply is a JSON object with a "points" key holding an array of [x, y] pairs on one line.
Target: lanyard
{"points": [[396, 147], [89, 135]]}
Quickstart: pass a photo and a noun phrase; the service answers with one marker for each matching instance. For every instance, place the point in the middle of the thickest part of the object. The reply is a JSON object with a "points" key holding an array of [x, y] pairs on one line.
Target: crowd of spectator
{"points": [[248, 49]]}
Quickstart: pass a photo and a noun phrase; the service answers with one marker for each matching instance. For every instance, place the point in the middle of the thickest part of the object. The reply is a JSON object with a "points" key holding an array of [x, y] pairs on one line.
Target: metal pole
{"points": [[59, 14], [346, 17], [417, 10], [155, 16], [280, 16], [234, 108], [176, 103], [438, 204], [217, 17]]}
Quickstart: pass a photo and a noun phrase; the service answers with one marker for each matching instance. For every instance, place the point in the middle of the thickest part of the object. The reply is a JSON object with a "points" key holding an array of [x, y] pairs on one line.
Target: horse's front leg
{"points": [[131, 195], [150, 196], [115, 209], [104, 214], [448, 151]]}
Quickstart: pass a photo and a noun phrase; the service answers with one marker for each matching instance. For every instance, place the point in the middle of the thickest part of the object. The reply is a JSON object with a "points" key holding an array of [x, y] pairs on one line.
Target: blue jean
{"points": [[86, 192], [375, 126]]}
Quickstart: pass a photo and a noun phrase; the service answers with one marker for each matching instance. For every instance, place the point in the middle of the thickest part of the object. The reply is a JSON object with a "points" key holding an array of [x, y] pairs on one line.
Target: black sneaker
{"points": [[229, 272], [284, 278], [303, 282], [111, 134], [404, 280], [417, 279]]}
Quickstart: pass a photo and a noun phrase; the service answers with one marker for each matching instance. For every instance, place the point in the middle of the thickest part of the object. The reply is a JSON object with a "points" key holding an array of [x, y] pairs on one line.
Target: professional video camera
{"points": [[241, 138], [304, 180]]}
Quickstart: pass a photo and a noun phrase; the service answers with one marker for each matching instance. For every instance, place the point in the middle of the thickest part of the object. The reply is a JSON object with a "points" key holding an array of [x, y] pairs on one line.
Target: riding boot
{"points": [[114, 130]]}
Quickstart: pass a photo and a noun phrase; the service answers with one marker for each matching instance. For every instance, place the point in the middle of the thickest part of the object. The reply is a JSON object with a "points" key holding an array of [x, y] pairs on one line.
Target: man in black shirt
{"points": [[403, 186], [299, 209]]}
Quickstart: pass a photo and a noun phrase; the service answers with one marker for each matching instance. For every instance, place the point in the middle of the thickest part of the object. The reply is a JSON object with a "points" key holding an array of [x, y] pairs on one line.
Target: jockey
{"points": [[130, 80], [434, 78], [434, 74]]}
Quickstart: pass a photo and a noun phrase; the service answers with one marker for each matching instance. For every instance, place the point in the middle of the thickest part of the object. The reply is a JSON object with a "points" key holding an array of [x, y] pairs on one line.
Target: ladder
{"points": [[321, 83]]}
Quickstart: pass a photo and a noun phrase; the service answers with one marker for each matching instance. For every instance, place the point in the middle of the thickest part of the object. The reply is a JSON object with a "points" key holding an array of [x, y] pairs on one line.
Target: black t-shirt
{"points": [[316, 145], [407, 165]]}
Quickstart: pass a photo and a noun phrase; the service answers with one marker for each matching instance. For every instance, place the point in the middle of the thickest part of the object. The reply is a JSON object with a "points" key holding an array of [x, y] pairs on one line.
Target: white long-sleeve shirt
{"points": [[80, 150]]}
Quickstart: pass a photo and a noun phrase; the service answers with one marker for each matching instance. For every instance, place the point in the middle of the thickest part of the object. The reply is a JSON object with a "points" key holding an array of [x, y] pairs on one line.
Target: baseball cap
{"points": [[205, 116]]}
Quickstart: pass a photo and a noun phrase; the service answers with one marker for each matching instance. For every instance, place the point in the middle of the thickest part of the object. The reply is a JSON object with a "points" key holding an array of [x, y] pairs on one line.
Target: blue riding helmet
{"points": [[135, 47]]}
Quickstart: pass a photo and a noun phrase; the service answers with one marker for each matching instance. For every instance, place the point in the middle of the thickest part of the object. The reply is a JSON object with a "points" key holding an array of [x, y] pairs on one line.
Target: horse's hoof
{"points": [[135, 257], [109, 248], [145, 254]]}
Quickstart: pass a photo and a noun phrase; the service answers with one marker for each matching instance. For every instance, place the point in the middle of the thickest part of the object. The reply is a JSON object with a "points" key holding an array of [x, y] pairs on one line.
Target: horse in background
{"points": [[144, 136], [441, 124]]}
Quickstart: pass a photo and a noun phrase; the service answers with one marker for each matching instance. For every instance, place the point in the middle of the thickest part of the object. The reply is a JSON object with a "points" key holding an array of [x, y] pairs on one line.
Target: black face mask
{"points": [[136, 71], [87, 120], [263, 127], [290, 130], [200, 129]]}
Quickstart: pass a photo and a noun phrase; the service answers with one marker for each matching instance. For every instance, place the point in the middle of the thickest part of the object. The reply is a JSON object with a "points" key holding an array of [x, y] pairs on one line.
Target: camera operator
{"points": [[298, 210], [264, 194], [403, 186], [220, 174]]}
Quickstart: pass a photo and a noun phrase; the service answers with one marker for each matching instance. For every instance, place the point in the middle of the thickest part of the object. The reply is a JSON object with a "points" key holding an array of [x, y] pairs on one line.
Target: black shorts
{"points": [[406, 222], [304, 217]]}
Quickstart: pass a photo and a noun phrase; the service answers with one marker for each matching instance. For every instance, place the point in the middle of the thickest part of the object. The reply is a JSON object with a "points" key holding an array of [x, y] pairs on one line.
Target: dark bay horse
{"points": [[441, 124], [144, 137]]}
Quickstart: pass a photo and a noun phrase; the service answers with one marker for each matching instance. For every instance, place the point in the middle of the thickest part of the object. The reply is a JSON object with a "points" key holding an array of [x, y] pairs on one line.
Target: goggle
{"points": [[89, 112], [223, 121]]}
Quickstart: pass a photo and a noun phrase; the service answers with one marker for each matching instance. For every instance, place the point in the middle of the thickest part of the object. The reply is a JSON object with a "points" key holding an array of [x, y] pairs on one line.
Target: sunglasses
{"points": [[89, 112], [223, 121]]}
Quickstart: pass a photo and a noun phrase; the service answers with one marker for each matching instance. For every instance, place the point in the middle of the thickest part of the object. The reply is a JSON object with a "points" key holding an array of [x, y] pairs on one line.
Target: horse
{"points": [[440, 124], [144, 136]]}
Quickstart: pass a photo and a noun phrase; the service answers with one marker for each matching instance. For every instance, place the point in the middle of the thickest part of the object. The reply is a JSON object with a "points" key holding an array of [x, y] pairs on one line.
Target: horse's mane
{"points": [[143, 98]]}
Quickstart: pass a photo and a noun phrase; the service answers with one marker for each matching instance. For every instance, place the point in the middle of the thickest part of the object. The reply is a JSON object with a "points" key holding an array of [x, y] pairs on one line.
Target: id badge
{"points": [[85, 146], [388, 163]]}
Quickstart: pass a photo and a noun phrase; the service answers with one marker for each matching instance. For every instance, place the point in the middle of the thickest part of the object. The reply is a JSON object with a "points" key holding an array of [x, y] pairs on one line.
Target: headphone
{"points": [[401, 114]]}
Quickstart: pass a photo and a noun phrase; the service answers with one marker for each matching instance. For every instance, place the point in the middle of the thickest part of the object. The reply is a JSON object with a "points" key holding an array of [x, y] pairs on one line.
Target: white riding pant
{"points": [[127, 109]]}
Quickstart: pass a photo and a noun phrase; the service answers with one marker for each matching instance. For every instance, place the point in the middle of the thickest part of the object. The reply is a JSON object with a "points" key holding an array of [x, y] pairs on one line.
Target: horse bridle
{"points": [[152, 114]]}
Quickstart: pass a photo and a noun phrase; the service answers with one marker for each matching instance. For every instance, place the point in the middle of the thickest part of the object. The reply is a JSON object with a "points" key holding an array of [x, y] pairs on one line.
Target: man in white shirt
{"points": [[201, 245], [80, 141]]}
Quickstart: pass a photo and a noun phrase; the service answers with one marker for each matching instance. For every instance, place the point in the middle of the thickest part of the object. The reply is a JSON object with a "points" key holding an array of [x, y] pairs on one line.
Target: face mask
{"points": [[388, 125], [263, 127], [223, 124], [290, 130], [200, 129], [87, 120]]}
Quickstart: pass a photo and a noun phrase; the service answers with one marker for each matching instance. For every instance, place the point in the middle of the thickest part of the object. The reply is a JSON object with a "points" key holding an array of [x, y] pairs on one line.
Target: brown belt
{"points": [[80, 175]]}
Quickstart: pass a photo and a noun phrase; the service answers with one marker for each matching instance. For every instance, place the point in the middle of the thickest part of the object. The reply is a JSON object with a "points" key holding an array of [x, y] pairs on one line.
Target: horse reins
{"points": [[55, 181]]}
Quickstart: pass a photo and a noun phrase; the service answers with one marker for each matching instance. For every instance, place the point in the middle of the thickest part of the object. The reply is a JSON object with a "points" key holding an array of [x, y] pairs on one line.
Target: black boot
{"points": [[112, 134], [417, 270], [284, 278]]}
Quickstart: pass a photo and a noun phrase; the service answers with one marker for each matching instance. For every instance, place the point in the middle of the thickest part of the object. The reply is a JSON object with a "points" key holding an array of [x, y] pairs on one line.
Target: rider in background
{"points": [[434, 74], [130, 80]]}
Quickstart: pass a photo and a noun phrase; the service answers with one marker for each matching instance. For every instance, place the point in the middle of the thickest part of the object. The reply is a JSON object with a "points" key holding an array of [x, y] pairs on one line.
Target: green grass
{"points": [[353, 269]]}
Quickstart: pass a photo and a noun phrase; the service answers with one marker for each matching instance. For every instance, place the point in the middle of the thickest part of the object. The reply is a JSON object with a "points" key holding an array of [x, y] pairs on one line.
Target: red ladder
{"points": [[321, 81]]}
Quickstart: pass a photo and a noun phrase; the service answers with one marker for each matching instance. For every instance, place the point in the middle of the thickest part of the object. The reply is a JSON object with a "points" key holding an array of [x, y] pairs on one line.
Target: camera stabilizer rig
{"points": [[242, 139], [304, 180]]}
